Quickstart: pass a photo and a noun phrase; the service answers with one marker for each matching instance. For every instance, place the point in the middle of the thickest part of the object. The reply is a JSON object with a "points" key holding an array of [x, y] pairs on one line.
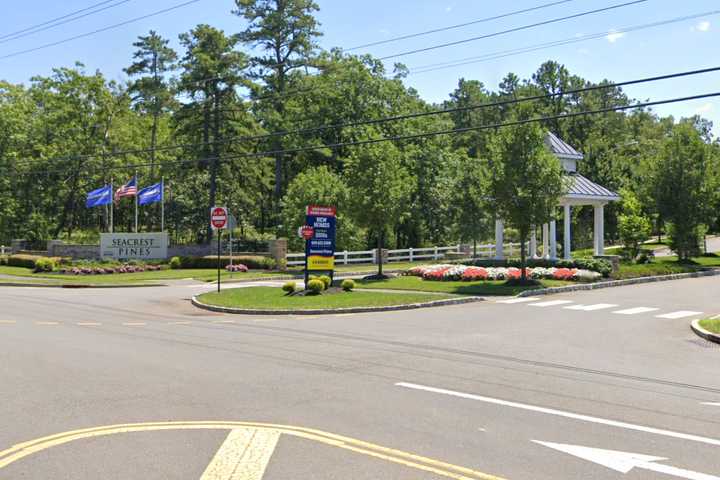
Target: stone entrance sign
{"points": [[134, 246]]}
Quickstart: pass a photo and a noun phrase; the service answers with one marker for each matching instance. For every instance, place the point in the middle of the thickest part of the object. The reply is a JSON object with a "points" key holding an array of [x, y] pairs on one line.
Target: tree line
{"points": [[259, 120]]}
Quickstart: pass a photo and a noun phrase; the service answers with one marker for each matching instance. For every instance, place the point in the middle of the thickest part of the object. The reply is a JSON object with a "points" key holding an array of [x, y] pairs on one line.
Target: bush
{"points": [[45, 265], [327, 281], [348, 284], [596, 265], [255, 262], [3, 260], [29, 261], [175, 263], [316, 286], [289, 287]]}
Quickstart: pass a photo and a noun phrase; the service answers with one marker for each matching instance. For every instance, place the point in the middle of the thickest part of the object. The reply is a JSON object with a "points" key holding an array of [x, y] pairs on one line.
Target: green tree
{"points": [[381, 188], [470, 201], [286, 31], [526, 180], [681, 183], [152, 94], [633, 226]]}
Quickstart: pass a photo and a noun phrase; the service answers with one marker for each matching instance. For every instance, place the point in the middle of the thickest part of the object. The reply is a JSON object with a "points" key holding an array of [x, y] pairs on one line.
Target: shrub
{"points": [[316, 286], [255, 262], [327, 281], [175, 263], [3, 260], [289, 287], [348, 284], [29, 261], [45, 264]]}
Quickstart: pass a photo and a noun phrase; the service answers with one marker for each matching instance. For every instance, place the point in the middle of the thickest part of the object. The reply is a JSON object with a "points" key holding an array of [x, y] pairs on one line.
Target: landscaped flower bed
{"points": [[472, 274], [108, 270], [238, 268]]}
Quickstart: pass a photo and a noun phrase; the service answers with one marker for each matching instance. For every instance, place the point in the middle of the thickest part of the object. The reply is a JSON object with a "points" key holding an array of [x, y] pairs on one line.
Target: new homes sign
{"points": [[134, 246]]}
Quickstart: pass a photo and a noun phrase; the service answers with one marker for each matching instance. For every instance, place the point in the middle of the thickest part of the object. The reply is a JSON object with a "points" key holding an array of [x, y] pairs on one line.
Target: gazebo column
{"points": [[599, 229], [546, 241], [533, 242], [553, 240], [499, 239], [567, 241]]}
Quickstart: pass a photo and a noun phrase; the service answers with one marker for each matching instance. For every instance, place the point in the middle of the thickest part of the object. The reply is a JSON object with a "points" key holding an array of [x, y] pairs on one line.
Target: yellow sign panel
{"points": [[321, 263]]}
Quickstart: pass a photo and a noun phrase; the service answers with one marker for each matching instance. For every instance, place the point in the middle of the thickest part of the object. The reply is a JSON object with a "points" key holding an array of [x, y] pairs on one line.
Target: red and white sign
{"points": [[316, 211], [306, 232], [218, 218]]}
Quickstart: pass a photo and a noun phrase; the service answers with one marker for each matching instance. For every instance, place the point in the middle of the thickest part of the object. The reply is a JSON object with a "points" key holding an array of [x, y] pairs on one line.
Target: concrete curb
{"points": [[709, 336], [391, 308], [618, 283], [47, 285]]}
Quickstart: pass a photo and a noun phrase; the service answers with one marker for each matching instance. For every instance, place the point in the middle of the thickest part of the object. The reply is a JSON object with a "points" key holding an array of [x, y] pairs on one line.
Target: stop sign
{"points": [[218, 217]]}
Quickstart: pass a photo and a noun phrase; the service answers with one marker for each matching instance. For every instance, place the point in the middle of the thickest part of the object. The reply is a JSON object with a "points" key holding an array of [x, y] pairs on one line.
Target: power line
{"points": [[532, 48], [55, 19], [513, 30], [59, 23], [501, 103], [617, 108], [459, 25], [100, 30]]}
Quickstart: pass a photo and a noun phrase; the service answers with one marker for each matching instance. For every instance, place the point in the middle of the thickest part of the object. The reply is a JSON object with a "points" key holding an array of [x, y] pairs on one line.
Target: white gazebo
{"points": [[581, 192]]}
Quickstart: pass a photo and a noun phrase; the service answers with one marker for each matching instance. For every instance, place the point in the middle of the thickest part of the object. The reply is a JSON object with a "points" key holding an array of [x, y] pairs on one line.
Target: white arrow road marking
{"points": [[560, 413], [551, 303], [680, 314], [244, 455], [591, 308], [624, 462]]}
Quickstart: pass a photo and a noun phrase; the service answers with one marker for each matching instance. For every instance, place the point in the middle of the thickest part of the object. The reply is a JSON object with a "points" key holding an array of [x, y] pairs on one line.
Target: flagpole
{"points": [[162, 204], [137, 189], [112, 203]]}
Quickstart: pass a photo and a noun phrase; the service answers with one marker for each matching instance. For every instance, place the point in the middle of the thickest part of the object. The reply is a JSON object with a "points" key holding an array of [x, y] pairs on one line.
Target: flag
{"points": [[101, 196], [151, 194], [127, 190]]}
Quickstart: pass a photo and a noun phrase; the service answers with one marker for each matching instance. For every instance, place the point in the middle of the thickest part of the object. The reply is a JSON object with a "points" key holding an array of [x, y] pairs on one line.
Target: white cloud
{"points": [[703, 26], [704, 109], [614, 36]]}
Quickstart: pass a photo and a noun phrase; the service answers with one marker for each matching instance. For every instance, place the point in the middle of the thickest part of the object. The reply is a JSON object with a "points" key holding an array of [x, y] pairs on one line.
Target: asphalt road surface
{"points": [[137, 383]]}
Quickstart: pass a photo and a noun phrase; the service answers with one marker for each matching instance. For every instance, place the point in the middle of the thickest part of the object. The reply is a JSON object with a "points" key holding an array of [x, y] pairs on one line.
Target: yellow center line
{"points": [[244, 455], [134, 324], [8, 322]]}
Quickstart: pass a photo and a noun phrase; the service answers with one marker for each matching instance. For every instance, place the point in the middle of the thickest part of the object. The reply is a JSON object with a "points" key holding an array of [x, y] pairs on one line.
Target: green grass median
{"points": [[712, 325], [273, 298], [498, 287]]}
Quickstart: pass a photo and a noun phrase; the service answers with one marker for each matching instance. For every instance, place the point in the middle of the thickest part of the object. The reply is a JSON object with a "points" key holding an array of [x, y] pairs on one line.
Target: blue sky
{"points": [[687, 45]]}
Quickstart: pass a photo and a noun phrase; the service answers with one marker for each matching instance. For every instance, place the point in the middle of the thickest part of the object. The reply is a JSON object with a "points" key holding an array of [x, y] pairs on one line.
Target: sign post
{"points": [[319, 232], [218, 221]]}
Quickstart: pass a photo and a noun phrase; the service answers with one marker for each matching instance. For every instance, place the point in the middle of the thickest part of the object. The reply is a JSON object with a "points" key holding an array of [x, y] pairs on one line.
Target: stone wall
{"points": [[76, 252]]}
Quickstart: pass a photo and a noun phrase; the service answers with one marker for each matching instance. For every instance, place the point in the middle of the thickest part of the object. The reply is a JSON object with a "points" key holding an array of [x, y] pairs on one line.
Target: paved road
{"points": [[470, 390]]}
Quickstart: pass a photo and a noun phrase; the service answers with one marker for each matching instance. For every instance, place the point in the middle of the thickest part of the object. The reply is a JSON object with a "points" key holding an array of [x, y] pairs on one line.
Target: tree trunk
{"points": [[380, 253]]}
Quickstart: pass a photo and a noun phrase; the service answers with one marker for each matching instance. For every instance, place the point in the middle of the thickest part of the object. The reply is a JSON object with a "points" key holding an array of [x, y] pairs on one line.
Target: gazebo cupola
{"points": [[581, 192]]}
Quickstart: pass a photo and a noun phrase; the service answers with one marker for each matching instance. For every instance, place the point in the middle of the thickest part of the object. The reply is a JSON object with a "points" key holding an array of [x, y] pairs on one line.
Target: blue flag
{"points": [[101, 196], [151, 194]]}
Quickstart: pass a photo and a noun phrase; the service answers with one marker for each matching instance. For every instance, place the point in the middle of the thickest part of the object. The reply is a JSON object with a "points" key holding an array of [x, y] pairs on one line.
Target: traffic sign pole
{"points": [[219, 234]]}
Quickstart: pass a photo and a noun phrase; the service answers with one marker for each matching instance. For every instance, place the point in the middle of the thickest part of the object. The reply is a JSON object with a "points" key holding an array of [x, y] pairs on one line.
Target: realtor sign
{"points": [[320, 250], [134, 246]]}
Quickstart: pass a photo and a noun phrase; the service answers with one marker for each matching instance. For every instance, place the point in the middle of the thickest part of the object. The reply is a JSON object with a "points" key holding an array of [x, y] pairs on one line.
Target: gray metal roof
{"points": [[581, 187], [560, 148]]}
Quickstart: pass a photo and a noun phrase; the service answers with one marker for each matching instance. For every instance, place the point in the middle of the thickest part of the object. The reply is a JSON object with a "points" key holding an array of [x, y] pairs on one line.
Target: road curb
{"points": [[391, 308], [709, 336], [45, 285], [619, 283]]}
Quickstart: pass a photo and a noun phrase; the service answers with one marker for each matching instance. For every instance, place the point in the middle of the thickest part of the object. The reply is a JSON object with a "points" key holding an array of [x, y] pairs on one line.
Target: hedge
{"points": [[29, 261], [596, 265], [255, 262]]}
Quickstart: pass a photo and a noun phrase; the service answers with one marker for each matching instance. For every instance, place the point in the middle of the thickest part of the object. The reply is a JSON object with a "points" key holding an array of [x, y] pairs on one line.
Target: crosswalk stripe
{"points": [[636, 310], [679, 314], [551, 303], [519, 300], [591, 308]]}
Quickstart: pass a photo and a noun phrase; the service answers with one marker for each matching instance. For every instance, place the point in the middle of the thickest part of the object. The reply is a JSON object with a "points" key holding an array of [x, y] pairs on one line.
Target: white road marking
{"points": [[636, 310], [591, 308], [519, 300], [550, 303], [8, 322], [134, 324], [244, 455], [560, 413], [711, 404], [624, 462], [679, 314]]}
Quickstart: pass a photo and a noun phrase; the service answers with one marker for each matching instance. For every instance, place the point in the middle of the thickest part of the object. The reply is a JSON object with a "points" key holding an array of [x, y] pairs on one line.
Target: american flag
{"points": [[127, 190]]}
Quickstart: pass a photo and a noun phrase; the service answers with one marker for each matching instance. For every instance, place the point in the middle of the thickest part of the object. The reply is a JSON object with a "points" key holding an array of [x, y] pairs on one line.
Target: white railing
{"points": [[341, 258]]}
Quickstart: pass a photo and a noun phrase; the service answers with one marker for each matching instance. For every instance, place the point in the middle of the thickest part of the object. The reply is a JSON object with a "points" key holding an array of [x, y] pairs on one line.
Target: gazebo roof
{"points": [[583, 189], [561, 149]]}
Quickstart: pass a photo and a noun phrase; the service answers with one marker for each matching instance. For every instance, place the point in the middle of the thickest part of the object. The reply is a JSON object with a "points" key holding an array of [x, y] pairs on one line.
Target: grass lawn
{"points": [[457, 288], [665, 266], [273, 298], [711, 325]]}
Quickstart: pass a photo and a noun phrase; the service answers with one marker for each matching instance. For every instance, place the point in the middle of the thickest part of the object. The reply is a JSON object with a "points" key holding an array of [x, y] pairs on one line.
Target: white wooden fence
{"points": [[407, 255]]}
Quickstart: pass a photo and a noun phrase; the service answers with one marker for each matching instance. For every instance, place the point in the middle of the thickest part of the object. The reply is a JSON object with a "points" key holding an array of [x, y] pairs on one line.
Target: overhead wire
{"points": [[32, 27]]}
